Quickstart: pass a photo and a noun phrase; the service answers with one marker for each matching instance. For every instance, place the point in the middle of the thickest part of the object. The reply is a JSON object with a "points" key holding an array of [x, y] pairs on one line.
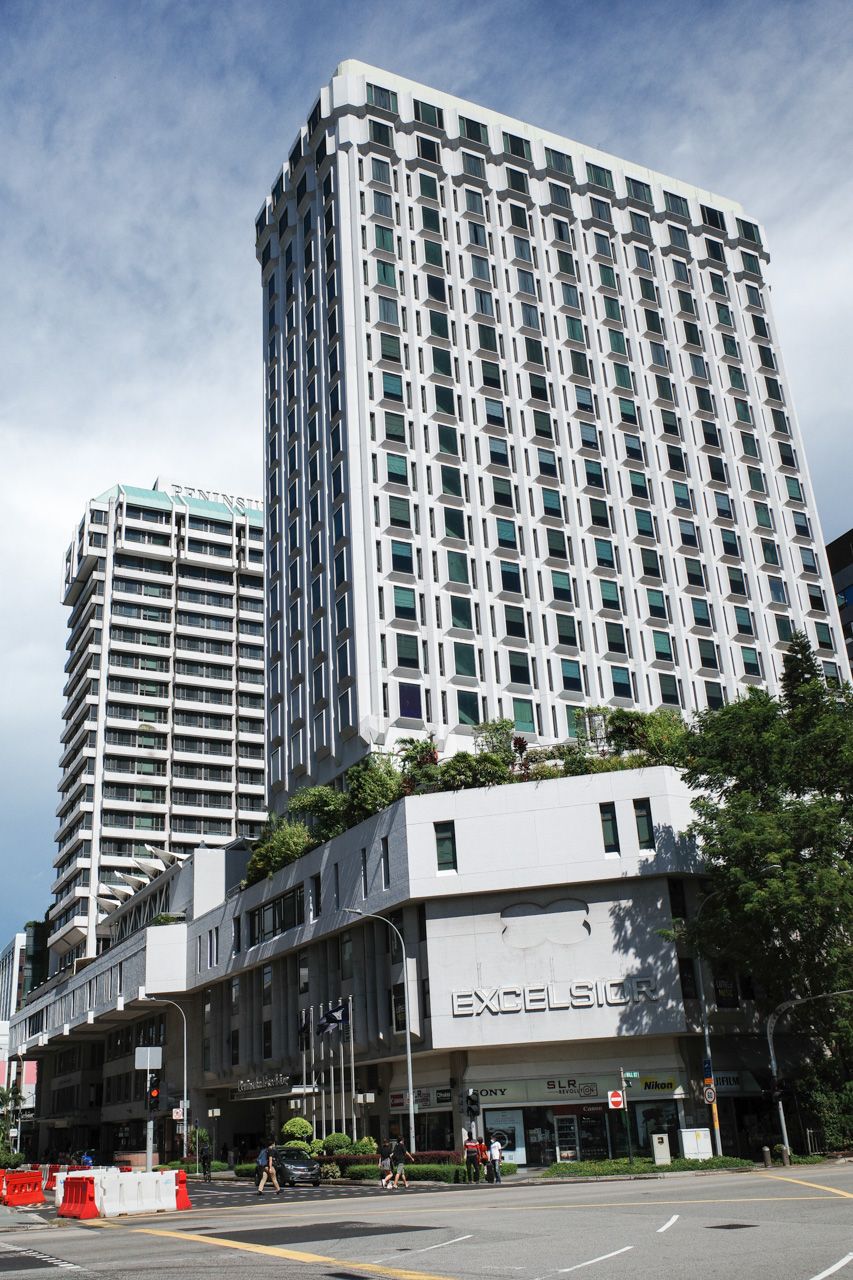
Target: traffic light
{"points": [[153, 1093], [472, 1103]]}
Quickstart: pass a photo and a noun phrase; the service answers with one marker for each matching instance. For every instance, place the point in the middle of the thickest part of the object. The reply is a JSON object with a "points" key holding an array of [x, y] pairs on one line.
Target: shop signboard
{"points": [[577, 1088]]}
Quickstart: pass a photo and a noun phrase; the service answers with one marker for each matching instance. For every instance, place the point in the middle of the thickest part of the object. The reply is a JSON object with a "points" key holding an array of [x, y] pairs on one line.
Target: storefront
{"points": [[567, 1118], [433, 1118]]}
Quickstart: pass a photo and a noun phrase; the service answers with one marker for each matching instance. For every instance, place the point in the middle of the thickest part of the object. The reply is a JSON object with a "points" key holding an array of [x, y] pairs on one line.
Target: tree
{"points": [[323, 809], [10, 1106], [496, 738], [419, 772], [297, 1128], [281, 842], [775, 820], [372, 785]]}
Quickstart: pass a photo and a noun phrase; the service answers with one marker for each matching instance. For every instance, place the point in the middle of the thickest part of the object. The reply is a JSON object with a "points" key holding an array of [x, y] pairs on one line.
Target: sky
{"points": [[137, 142]]}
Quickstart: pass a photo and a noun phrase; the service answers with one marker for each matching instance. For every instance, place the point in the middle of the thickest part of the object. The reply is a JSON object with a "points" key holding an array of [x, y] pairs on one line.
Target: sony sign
{"points": [[552, 996]]}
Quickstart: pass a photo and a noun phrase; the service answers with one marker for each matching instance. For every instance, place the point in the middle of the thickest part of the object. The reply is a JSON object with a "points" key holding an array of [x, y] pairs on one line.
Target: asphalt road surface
{"points": [[791, 1225]]}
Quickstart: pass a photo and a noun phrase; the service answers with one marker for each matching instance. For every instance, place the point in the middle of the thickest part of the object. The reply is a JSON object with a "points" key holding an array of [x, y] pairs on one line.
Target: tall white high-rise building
{"points": [[529, 441], [163, 744]]}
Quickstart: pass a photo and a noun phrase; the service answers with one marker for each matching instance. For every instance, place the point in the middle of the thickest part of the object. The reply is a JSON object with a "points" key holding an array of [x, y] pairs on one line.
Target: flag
{"points": [[333, 1018], [304, 1029]]}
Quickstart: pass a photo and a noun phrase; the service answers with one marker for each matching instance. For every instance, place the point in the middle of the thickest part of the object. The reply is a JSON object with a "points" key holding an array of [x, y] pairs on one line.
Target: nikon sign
{"points": [[587, 993]]}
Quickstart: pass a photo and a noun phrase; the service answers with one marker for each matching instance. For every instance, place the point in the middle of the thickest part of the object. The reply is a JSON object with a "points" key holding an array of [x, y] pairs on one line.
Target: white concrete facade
{"points": [[163, 741], [529, 441]]}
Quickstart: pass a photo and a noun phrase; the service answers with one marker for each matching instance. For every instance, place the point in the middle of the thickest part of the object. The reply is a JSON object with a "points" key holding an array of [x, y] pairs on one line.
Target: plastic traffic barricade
{"points": [[78, 1200]]}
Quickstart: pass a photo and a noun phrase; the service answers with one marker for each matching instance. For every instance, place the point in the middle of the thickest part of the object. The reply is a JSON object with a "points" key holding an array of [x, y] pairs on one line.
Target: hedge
{"points": [[345, 1160], [642, 1164], [420, 1172], [216, 1166]]}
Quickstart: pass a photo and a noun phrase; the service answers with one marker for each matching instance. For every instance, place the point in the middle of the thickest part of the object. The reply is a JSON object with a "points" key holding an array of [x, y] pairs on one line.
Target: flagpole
{"points": [[313, 1075], [302, 1039], [323, 1074], [343, 1073], [352, 1071], [332, 1085]]}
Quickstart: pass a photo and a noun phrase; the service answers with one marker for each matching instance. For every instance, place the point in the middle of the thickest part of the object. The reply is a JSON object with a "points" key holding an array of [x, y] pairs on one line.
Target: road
{"points": [[791, 1225]]}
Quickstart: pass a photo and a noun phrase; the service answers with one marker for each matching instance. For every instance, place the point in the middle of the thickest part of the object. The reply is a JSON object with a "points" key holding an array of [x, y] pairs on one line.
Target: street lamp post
{"points": [[772, 1019], [185, 1102], [354, 911]]}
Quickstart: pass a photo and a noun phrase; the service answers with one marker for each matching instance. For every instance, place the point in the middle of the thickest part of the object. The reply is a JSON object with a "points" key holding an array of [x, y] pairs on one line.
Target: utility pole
{"points": [[149, 1126], [627, 1117]]}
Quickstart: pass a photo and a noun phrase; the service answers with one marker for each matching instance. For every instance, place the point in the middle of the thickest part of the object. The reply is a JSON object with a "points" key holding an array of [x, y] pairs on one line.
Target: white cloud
{"points": [[138, 143]]}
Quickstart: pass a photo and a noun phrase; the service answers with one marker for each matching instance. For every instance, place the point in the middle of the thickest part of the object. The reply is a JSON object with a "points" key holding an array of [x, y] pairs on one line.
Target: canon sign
{"points": [[553, 996]]}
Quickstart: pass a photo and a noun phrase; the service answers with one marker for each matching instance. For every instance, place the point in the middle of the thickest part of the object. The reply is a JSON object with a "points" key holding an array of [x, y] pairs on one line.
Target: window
{"points": [[445, 846], [385, 99], [609, 827], [621, 678], [519, 668], [669, 690], [402, 557], [571, 671], [514, 146], [676, 204], [404, 603], [457, 566], [522, 714], [645, 826], [599, 177], [468, 711]]}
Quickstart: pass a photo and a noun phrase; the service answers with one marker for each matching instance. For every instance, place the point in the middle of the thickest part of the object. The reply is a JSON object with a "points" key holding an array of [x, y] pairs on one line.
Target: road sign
{"points": [[177, 1113], [148, 1058], [616, 1100], [706, 1067], [631, 1075], [709, 1093]]}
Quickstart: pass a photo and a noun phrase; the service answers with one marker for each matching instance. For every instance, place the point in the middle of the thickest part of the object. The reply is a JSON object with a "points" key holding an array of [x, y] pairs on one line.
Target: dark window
{"points": [[687, 978], [445, 846], [645, 826], [609, 828]]}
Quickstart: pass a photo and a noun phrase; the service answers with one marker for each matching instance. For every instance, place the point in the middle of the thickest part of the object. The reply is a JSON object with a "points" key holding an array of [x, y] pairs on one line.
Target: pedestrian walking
{"points": [[385, 1174], [399, 1156], [204, 1153], [496, 1155], [484, 1159], [266, 1164], [471, 1148]]}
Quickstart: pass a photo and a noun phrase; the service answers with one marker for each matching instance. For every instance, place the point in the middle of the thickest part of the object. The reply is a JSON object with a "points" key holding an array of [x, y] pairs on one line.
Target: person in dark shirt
{"points": [[399, 1156], [385, 1173]]}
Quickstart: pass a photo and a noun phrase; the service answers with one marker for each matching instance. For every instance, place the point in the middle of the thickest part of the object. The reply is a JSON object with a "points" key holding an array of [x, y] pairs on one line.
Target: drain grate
{"points": [[731, 1226]]}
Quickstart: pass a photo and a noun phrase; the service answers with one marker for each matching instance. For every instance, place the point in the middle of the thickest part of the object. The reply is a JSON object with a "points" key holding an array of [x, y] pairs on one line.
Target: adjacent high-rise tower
{"points": [[163, 745], [529, 441]]}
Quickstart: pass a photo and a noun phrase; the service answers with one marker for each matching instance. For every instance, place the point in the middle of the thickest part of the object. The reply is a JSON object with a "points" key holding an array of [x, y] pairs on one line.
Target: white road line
{"points": [[441, 1244], [666, 1226], [832, 1270], [565, 1270]]}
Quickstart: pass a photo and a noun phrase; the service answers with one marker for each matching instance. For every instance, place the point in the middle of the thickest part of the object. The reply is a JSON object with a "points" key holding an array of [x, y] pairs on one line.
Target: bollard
{"points": [[786, 1157], [766, 1157]]}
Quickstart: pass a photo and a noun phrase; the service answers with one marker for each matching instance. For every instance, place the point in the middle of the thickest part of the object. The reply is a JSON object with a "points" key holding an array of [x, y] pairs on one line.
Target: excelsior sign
{"points": [[553, 996]]}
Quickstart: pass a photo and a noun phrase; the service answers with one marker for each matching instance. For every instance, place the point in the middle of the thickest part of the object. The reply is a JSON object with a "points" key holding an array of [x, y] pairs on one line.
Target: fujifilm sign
{"points": [[585, 994]]}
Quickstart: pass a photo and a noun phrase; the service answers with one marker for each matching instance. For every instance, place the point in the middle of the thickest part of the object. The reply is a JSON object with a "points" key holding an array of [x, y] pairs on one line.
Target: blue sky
{"points": [[138, 140]]}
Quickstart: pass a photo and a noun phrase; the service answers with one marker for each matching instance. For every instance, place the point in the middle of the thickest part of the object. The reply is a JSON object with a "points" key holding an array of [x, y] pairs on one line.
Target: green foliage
{"points": [[329, 1172], [365, 1146], [196, 1138], [315, 1148], [648, 737], [296, 1145], [10, 1159], [372, 785], [297, 1127], [322, 808], [281, 842], [246, 1170], [495, 737], [464, 770], [778, 1158], [414, 1172], [10, 1104], [334, 1142], [775, 821], [419, 773], [642, 1164]]}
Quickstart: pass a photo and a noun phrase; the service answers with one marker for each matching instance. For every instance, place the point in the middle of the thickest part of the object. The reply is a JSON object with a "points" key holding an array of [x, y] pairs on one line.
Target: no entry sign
{"points": [[615, 1100]]}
